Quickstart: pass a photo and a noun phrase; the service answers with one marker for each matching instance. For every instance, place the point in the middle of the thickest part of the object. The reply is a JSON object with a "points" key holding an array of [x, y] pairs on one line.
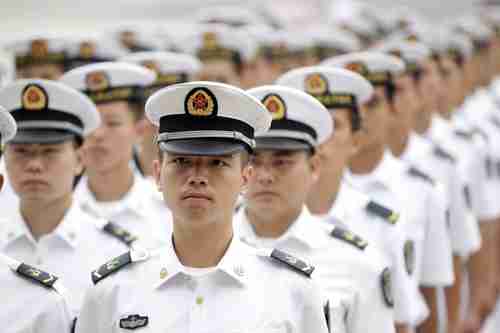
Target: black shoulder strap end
{"points": [[43, 278], [120, 233], [292, 262], [111, 267]]}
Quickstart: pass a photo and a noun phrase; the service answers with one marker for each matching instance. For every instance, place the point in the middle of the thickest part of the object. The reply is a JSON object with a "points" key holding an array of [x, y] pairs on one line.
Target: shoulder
{"points": [[416, 173], [121, 264], [380, 210]]}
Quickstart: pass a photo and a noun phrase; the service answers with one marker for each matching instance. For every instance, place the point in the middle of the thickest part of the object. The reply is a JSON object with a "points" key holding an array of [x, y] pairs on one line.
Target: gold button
{"points": [[163, 273], [199, 300]]}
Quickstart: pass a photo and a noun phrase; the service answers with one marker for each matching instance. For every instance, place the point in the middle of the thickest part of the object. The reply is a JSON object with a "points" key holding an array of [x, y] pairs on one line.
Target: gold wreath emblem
{"points": [[200, 103], [316, 84], [97, 81], [275, 105], [34, 98], [39, 48]]}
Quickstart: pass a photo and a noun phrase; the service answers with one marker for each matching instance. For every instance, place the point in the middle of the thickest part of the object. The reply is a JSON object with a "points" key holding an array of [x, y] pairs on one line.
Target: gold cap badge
{"points": [[316, 84], [34, 98], [275, 105], [200, 102]]}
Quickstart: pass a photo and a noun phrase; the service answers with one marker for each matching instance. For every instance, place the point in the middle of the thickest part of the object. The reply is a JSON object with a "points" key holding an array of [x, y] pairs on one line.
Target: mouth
{"points": [[34, 183], [196, 196], [264, 194]]}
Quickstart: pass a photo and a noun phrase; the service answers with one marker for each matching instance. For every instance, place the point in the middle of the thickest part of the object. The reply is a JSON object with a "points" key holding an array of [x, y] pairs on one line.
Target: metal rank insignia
{"points": [[409, 255], [292, 262], [133, 322], [32, 273], [386, 282], [200, 102], [111, 266], [384, 212], [275, 105], [348, 237], [120, 233]]}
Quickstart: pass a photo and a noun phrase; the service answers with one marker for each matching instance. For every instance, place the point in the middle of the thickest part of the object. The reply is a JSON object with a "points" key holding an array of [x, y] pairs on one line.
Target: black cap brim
{"points": [[42, 136], [203, 147], [277, 143]]}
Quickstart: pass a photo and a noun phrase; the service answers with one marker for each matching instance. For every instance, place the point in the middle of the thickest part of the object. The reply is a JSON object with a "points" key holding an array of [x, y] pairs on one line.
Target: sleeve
{"points": [[56, 317], [464, 229], [437, 257], [409, 307], [369, 311], [313, 314]]}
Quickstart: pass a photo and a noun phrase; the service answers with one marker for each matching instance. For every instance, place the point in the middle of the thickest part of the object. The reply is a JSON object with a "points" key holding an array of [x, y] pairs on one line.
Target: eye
{"points": [[181, 161], [220, 163]]}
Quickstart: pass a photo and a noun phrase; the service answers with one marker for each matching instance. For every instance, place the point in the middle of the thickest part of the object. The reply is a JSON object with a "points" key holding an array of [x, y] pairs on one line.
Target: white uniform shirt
{"points": [[472, 158], [245, 292], [391, 239], [464, 231], [425, 222], [139, 212], [29, 307], [349, 276], [75, 248]]}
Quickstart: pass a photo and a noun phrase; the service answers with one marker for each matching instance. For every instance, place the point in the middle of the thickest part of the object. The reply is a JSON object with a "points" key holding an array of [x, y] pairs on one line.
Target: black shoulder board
{"points": [[292, 262], [412, 171], [111, 267], [382, 211], [463, 134], [441, 153], [45, 279], [120, 233], [347, 236]]}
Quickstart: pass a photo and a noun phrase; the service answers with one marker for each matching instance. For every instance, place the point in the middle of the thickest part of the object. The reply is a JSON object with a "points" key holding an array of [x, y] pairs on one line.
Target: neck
{"points": [[322, 197], [423, 124], [367, 160], [111, 185], [42, 218], [148, 153], [398, 140], [272, 226], [202, 247]]}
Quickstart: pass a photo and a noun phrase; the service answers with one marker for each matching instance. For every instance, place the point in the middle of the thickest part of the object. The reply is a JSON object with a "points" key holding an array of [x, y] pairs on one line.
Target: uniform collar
{"points": [[234, 264], [348, 200], [417, 146], [305, 230], [134, 201], [382, 175], [68, 229]]}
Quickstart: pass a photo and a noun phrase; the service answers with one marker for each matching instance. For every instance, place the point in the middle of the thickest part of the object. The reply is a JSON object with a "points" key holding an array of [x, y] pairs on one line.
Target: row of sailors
{"points": [[396, 147]]}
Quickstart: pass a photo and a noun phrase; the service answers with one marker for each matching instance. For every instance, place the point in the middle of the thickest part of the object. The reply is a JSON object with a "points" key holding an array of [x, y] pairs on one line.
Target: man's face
{"points": [[111, 144], [47, 71], [375, 120], [200, 190], [266, 71], [279, 181], [340, 147], [453, 81], [220, 71], [42, 172], [430, 86], [406, 101]]}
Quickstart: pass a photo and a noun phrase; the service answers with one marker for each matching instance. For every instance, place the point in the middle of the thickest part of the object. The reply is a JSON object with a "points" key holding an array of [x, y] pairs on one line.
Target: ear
{"points": [[157, 174], [315, 164], [246, 174], [79, 168], [356, 142], [1, 181]]}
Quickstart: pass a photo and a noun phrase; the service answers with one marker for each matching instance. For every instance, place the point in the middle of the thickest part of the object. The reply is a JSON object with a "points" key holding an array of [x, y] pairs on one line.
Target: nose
{"points": [[97, 134], [198, 180], [34, 164], [264, 175]]}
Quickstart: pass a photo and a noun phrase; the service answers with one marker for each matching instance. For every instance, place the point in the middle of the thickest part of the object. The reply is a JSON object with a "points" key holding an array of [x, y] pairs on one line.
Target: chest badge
{"points": [[133, 322]]}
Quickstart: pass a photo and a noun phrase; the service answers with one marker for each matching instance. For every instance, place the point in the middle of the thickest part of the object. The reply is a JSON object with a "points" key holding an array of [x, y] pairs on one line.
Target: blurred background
{"points": [[69, 16]]}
